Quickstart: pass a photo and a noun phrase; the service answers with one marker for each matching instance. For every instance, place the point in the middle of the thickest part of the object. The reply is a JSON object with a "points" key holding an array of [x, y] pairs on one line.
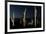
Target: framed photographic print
{"points": [[24, 17]]}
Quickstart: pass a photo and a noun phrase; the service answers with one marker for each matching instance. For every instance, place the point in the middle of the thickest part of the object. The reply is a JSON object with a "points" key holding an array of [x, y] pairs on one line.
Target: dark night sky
{"points": [[19, 10]]}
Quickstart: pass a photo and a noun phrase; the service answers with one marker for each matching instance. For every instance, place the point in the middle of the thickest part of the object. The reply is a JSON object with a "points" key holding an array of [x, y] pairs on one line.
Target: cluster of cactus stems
{"points": [[24, 20]]}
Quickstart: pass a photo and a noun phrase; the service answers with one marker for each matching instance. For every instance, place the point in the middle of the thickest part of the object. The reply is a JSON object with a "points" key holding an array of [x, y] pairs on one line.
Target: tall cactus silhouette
{"points": [[35, 15], [24, 21], [12, 19]]}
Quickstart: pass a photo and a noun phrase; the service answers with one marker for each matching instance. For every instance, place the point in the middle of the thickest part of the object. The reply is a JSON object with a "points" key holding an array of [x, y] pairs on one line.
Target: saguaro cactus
{"points": [[12, 19], [24, 21], [35, 15]]}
